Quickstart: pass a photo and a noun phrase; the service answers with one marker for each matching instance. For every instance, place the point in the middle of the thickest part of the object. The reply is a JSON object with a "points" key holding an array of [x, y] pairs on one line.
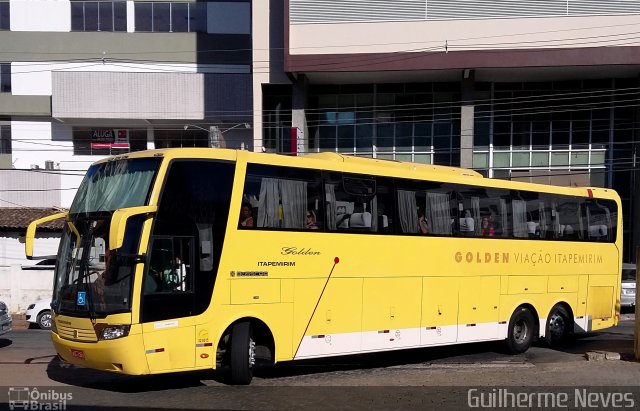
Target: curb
{"points": [[609, 356]]}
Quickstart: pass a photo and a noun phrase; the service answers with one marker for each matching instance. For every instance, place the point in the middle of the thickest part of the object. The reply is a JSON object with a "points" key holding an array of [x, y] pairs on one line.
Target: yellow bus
{"points": [[190, 259]]}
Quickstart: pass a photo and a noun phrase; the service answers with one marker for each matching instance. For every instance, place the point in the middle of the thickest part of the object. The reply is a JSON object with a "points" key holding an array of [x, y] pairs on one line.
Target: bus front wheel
{"points": [[521, 331], [242, 354]]}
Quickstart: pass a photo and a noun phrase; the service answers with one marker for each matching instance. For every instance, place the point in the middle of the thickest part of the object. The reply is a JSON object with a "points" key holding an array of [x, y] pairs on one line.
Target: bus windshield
{"points": [[90, 279], [115, 184]]}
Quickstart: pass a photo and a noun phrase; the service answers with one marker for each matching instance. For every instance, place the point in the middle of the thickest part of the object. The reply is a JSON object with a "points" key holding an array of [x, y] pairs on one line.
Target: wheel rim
{"points": [[520, 331], [556, 326], [45, 321]]}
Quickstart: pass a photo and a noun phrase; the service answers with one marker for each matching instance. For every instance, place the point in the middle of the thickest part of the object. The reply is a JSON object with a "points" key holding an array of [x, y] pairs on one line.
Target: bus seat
{"points": [[533, 228], [597, 231], [467, 224], [360, 220]]}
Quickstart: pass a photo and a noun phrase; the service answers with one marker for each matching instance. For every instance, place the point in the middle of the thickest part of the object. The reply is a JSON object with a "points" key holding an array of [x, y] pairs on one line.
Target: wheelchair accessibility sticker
{"points": [[81, 299]]}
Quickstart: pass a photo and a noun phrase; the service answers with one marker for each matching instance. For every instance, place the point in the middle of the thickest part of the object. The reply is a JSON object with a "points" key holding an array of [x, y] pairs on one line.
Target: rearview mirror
{"points": [[31, 234], [119, 223]]}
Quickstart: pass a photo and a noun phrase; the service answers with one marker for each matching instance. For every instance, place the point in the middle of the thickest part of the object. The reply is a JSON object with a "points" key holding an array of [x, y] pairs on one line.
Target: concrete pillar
{"points": [[634, 210], [298, 114], [467, 113]]}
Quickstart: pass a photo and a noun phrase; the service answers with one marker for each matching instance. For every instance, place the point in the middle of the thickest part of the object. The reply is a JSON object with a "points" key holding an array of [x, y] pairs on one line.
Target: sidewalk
{"points": [[19, 322]]}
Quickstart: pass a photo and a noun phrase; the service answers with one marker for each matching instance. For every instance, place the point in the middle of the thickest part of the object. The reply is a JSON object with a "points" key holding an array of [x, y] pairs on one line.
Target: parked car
{"points": [[40, 313], [5, 319], [628, 289]]}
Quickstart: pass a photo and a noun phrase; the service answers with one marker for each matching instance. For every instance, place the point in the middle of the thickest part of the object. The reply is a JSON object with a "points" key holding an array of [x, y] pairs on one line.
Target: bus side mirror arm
{"points": [[31, 232], [119, 223]]}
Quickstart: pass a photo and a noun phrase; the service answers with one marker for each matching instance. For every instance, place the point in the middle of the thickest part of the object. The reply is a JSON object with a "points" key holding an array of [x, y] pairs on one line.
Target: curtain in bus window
{"points": [[294, 203], [519, 218], [475, 208], [543, 219], [407, 211], [330, 190], [555, 220], [374, 213], [580, 223], [439, 214], [608, 234], [505, 217], [205, 234], [269, 203], [117, 187]]}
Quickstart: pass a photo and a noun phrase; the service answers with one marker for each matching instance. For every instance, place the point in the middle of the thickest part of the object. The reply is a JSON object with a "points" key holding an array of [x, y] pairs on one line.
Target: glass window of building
{"points": [[4, 16], [557, 134], [171, 17], [5, 139], [5, 78], [107, 141], [406, 122], [98, 16]]}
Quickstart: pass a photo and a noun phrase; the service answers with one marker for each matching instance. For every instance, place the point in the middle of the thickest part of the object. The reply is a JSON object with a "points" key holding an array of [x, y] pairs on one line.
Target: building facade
{"points": [[84, 79], [545, 91]]}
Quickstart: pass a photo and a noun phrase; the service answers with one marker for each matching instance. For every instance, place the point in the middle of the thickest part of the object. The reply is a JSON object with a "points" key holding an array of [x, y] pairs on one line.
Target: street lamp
{"points": [[245, 125], [215, 134]]}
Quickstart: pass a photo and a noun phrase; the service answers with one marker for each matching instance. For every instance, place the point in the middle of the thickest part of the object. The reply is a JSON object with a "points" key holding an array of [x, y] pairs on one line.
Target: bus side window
{"points": [[357, 203], [598, 220], [280, 197]]}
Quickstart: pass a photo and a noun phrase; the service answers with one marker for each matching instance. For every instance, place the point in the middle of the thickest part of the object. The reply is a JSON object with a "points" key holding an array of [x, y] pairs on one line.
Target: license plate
{"points": [[78, 354]]}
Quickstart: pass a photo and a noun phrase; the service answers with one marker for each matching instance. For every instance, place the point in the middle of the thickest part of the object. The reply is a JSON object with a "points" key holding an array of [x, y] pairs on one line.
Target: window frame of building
{"points": [[145, 17], [107, 16]]}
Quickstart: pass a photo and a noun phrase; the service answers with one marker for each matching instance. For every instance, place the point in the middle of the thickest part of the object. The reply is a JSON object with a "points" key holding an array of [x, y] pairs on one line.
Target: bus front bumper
{"points": [[123, 355]]}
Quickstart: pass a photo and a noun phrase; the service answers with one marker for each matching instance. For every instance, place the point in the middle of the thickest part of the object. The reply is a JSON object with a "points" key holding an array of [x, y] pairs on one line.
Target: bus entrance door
{"points": [[167, 304]]}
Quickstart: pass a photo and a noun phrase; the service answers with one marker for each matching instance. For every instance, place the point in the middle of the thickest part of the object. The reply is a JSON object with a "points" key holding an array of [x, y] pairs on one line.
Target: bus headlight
{"points": [[113, 332]]}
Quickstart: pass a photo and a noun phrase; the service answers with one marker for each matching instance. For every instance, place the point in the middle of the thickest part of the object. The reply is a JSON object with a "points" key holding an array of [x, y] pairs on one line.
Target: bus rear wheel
{"points": [[558, 326], [242, 354], [521, 331]]}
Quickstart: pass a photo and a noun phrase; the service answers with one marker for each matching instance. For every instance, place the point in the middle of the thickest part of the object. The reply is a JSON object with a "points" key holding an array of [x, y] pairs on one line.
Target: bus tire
{"points": [[558, 326], [520, 332], [242, 354]]}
